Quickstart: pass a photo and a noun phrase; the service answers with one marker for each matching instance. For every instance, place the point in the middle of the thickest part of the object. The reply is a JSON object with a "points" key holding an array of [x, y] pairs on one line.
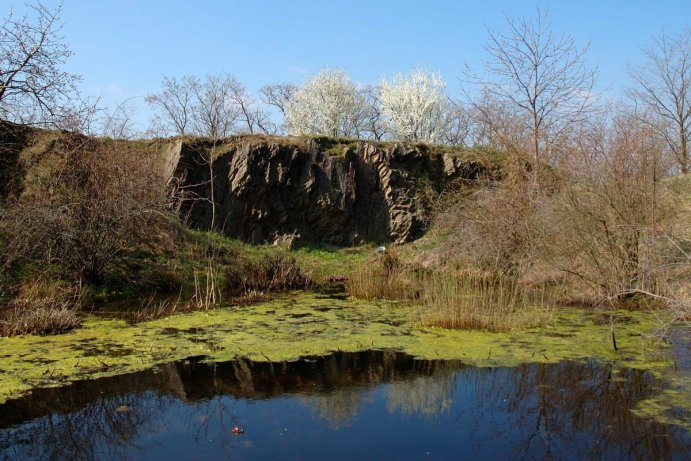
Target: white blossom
{"points": [[328, 104], [415, 106]]}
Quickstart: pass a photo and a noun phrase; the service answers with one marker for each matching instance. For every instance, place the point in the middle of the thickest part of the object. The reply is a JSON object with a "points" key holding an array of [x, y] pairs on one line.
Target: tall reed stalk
{"points": [[498, 304], [207, 293], [382, 278]]}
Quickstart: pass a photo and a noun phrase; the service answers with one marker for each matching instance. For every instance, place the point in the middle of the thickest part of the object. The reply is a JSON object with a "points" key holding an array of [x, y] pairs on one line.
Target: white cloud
{"points": [[112, 88], [298, 70]]}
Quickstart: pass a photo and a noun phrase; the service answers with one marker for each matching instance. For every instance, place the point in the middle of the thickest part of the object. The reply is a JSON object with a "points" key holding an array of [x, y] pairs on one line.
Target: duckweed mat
{"points": [[308, 324]]}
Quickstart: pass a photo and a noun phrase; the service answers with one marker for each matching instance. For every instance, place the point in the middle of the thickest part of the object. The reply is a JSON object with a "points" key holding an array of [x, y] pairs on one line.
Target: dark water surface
{"points": [[346, 406]]}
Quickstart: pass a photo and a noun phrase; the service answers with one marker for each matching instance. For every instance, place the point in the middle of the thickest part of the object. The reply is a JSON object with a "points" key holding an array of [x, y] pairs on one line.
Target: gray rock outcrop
{"points": [[317, 191]]}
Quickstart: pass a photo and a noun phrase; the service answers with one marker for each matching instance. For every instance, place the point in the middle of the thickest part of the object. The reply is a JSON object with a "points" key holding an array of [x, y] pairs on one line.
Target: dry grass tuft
{"points": [[384, 277], [465, 300], [206, 292], [501, 304], [42, 307], [279, 272], [152, 309]]}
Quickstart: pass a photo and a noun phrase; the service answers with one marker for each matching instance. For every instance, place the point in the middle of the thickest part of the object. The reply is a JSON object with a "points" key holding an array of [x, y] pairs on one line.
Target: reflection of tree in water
{"points": [[583, 409], [213, 419], [338, 408], [337, 394], [573, 409], [412, 386], [86, 421], [429, 394]]}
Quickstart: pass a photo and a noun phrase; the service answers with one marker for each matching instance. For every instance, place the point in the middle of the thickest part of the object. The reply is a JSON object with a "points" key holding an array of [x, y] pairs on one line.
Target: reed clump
{"points": [[481, 303], [383, 277], [447, 299], [271, 273], [42, 307], [149, 309], [207, 292]]}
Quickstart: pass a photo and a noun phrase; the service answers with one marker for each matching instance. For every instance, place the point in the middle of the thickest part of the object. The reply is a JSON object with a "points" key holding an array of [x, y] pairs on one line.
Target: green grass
{"points": [[323, 263], [179, 272]]}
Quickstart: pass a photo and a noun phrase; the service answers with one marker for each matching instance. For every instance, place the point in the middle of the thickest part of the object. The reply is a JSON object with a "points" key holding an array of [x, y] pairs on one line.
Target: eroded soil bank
{"points": [[309, 324]]}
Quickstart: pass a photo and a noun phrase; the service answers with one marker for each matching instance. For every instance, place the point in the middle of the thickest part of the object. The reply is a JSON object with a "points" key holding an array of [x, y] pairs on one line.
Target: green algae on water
{"points": [[308, 324]]}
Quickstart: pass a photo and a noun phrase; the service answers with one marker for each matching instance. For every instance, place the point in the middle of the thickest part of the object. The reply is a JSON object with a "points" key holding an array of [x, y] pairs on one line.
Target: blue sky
{"points": [[123, 48]]}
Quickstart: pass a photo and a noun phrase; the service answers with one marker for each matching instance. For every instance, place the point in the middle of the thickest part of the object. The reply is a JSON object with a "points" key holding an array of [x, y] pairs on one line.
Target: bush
{"points": [[605, 223], [278, 272], [490, 228], [85, 201]]}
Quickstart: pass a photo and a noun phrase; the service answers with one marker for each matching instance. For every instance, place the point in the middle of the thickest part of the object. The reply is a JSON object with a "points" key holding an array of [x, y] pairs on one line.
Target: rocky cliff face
{"points": [[313, 190], [293, 189]]}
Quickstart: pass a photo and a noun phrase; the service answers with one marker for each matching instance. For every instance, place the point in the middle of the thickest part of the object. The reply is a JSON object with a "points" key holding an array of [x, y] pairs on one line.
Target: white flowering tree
{"points": [[328, 104], [415, 106]]}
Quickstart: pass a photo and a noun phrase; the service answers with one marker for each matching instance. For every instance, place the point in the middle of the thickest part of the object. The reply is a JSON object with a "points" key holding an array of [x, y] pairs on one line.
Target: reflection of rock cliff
{"points": [[569, 410], [318, 190], [190, 381]]}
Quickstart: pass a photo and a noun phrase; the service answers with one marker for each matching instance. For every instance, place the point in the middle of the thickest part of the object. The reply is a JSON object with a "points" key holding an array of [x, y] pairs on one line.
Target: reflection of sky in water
{"points": [[370, 405]]}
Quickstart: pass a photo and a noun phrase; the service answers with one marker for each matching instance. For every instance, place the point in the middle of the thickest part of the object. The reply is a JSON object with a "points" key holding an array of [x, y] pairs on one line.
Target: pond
{"points": [[345, 405]]}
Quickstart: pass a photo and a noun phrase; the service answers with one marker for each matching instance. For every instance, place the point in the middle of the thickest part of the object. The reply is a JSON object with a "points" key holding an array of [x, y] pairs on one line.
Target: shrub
{"points": [[85, 201], [490, 228]]}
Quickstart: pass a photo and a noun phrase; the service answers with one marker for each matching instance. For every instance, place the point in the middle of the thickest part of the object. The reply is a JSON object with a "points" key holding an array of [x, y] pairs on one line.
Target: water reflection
{"points": [[344, 406]]}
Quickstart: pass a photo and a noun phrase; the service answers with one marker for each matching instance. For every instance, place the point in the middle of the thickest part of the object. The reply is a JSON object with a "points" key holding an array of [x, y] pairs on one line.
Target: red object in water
{"points": [[237, 430]]}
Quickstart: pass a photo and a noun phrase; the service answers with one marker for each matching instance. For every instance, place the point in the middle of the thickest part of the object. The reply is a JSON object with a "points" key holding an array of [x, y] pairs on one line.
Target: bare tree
{"points": [[33, 87], [607, 224], [81, 116], [118, 123], [215, 112], [373, 122], [543, 75], [460, 125], [664, 87], [499, 124], [278, 95], [175, 104], [255, 119], [215, 107]]}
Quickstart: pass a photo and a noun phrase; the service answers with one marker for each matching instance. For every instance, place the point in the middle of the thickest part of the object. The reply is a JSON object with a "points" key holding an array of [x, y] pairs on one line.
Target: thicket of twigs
{"points": [[80, 207], [612, 226]]}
